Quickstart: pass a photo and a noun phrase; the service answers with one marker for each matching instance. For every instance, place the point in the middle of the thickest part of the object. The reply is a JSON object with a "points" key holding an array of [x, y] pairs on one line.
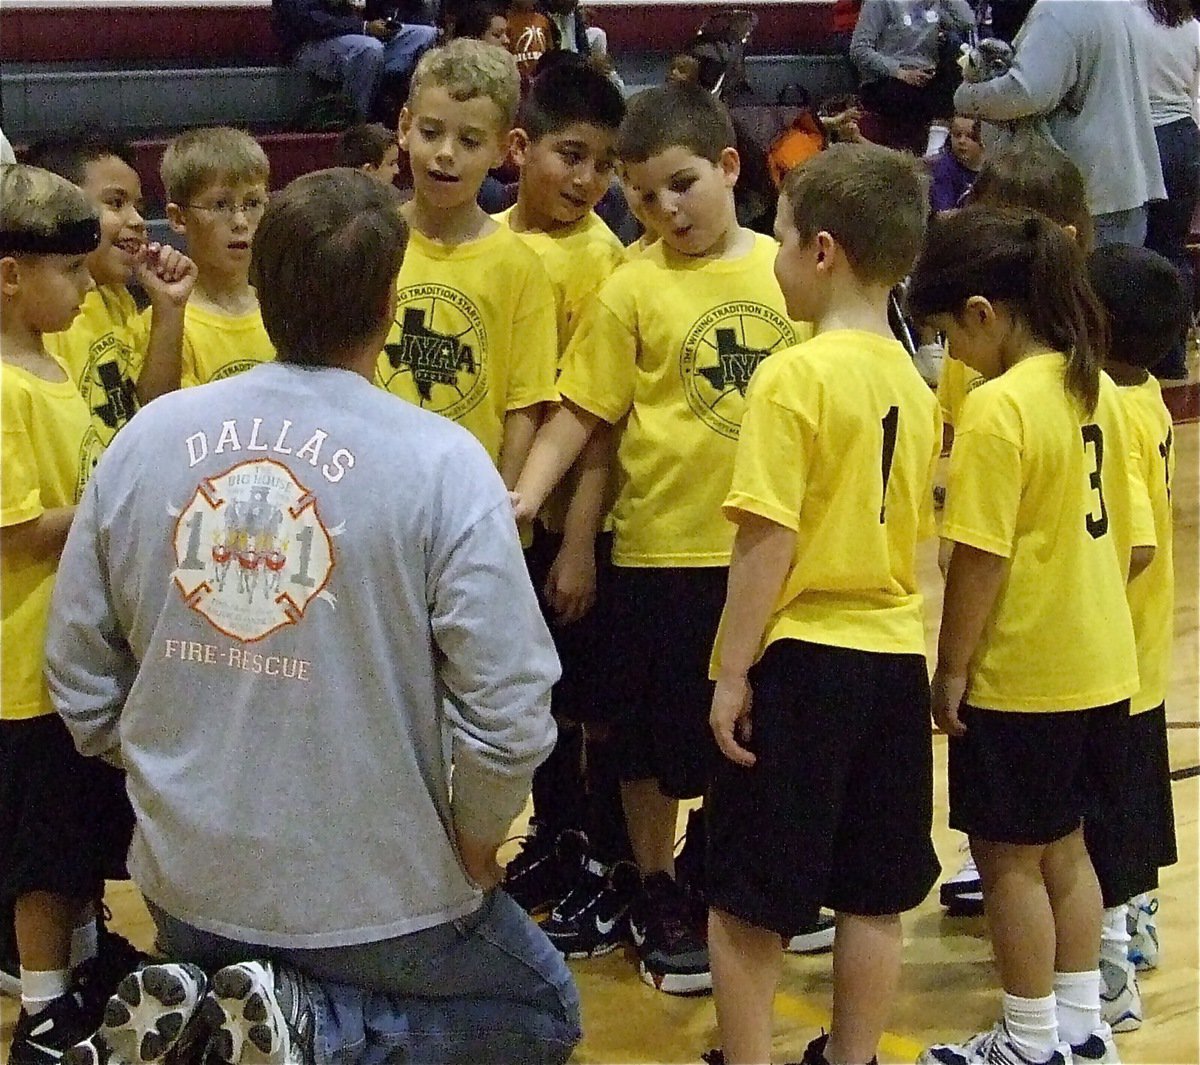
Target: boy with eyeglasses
{"points": [[216, 184]]}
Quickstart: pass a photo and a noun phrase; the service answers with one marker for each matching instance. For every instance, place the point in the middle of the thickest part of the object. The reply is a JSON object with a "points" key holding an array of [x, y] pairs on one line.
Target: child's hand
{"points": [[522, 512], [948, 694], [479, 860], [571, 584], [167, 275], [729, 718]]}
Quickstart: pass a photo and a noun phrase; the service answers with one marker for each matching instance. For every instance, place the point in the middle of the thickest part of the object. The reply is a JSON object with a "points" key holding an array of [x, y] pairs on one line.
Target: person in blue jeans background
{"points": [[297, 605], [330, 40]]}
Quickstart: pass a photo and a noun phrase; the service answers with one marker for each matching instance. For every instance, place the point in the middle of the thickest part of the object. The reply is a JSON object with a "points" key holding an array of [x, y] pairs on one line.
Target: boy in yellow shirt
{"points": [[824, 793], [565, 146], [1147, 307], [216, 182], [667, 347], [475, 337], [117, 358], [65, 822]]}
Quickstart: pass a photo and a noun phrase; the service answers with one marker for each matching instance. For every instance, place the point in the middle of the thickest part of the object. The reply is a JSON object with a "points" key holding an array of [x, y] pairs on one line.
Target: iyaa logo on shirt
{"points": [[720, 354], [232, 369], [441, 354], [251, 550]]}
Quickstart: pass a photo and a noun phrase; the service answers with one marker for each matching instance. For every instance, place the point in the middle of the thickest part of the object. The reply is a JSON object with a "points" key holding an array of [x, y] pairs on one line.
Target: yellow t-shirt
{"points": [[671, 342], [216, 345], [44, 463], [475, 333], [955, 383], [1152, 592], [839, 443], [104, 350], [1034, 480], [578, 260]]}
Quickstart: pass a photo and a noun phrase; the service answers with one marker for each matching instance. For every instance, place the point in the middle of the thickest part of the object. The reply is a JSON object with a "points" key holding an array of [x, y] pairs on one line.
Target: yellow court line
{"points": [[797, 1009]]}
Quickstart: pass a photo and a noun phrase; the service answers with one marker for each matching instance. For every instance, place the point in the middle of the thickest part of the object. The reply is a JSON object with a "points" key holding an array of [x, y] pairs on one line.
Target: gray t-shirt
{"points": [[290, 601], [891, 34]]}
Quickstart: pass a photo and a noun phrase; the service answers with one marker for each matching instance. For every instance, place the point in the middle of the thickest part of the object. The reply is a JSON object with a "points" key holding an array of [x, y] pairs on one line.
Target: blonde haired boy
{"points": [[475, 338], [216, 182]]}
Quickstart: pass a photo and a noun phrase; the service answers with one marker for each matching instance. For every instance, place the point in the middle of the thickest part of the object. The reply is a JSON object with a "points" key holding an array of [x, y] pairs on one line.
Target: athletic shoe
{"points": [[259, 1013], [43, 1038], [672, 950], [1120, 998], [545, 868], [993, 1047], [98, 978], [962, 894], [593, 919], [1141, 921], [148, 1017], [1097, 1049], [814, 1053], [817, 939]]}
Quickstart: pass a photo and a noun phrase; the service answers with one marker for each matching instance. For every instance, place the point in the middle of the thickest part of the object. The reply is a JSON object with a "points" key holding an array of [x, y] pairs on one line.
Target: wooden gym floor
{"points": [[949, 986]]}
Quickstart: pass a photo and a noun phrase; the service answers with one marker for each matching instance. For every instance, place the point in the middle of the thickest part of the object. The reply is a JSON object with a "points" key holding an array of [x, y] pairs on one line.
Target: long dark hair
{"points": [[1024, 260], [1171, 12]]}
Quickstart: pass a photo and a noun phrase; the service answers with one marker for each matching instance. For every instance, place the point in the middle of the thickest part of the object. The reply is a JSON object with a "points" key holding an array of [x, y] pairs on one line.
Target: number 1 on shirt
{"points": [[891, 422]]}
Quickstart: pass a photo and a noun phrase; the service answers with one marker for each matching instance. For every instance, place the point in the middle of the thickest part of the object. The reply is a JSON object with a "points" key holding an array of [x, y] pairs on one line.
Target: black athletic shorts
{"points": [[664, 624], [65, 820], [837, 810]]}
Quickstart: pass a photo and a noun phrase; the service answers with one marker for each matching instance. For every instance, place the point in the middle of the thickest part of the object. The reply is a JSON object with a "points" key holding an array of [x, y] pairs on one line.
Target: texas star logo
{"points": [[90, 450], [232, 369], [251, 550], [719, 356], [438, 356]]}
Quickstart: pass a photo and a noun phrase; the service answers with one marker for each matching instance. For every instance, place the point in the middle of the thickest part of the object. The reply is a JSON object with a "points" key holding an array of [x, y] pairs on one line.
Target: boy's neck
{"points": [[863, 308], [23, 347], [1125, 373], [458, 225], [525, 218], [228, 293]]}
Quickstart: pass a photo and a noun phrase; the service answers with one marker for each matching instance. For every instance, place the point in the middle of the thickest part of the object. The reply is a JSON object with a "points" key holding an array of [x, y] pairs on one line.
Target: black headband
{"points": [[66, 238]]}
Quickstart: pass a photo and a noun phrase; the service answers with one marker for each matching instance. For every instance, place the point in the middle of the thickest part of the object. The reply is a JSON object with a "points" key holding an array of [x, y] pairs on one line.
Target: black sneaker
{"points": [[98, 978], [545, 868], [154, 1012], [260, 1013], [816, 939], [814, 1053], [43, 1038], [672, 950], [592, 919]]}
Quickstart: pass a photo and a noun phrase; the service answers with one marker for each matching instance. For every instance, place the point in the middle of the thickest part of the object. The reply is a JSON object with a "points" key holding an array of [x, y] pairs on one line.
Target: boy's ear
{"points": [[10, 275], [519, 143], [1072, 231], [403, 126], [730, 164], [978, 311], [827, 246], [175, 218]]}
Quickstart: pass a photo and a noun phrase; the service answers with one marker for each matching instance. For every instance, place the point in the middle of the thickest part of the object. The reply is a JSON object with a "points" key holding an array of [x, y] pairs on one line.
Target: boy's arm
{"points": [[555, 448], [762, 552], [571, 583], [972, 584], [520, 427], [168, 276], [41, 538]]}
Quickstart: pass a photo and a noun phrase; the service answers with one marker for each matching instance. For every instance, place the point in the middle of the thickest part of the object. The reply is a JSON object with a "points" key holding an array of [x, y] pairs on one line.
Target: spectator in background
{"points": [[957, 165], [1083, 68], [486, 21], [684, 70], [842, 22], [373, 149], [329, 40], [529, 35], [906, 53], [1172, 52]]}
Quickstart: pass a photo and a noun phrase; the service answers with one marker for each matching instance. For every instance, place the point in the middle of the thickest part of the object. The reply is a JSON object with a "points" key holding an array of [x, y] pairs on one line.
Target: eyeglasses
{"points": [[251, 208]]}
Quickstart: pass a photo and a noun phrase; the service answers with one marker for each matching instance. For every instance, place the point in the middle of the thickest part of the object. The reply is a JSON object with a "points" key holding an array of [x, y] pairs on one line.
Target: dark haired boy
{"points": [[372, 148], [1147, 306], [824, 793], [565, 145], [249, 542], [667, 347]]}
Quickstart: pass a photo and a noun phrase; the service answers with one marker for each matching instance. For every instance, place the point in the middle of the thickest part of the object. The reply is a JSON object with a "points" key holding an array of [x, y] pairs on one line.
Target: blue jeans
{"points": [[359, 62], [488, 987]]}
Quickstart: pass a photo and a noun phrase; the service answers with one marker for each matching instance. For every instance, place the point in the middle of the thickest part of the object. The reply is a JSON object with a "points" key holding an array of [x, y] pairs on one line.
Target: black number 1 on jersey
{"points": [[891, 422]]}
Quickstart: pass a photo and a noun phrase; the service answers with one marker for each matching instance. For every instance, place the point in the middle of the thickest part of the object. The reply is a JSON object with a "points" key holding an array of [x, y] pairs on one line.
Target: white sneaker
{"points": [[815, 940], [993, 1047], [962, 894], [1141, 921], [1120, 999], [1097, 1049], [259, 1013]]}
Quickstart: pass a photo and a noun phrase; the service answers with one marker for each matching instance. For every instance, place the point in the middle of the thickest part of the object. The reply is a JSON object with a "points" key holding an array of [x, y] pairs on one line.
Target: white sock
{"points": [[1078, 996], [1032, 1025], [1114, 937], [84, 943], [40, 987]]}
